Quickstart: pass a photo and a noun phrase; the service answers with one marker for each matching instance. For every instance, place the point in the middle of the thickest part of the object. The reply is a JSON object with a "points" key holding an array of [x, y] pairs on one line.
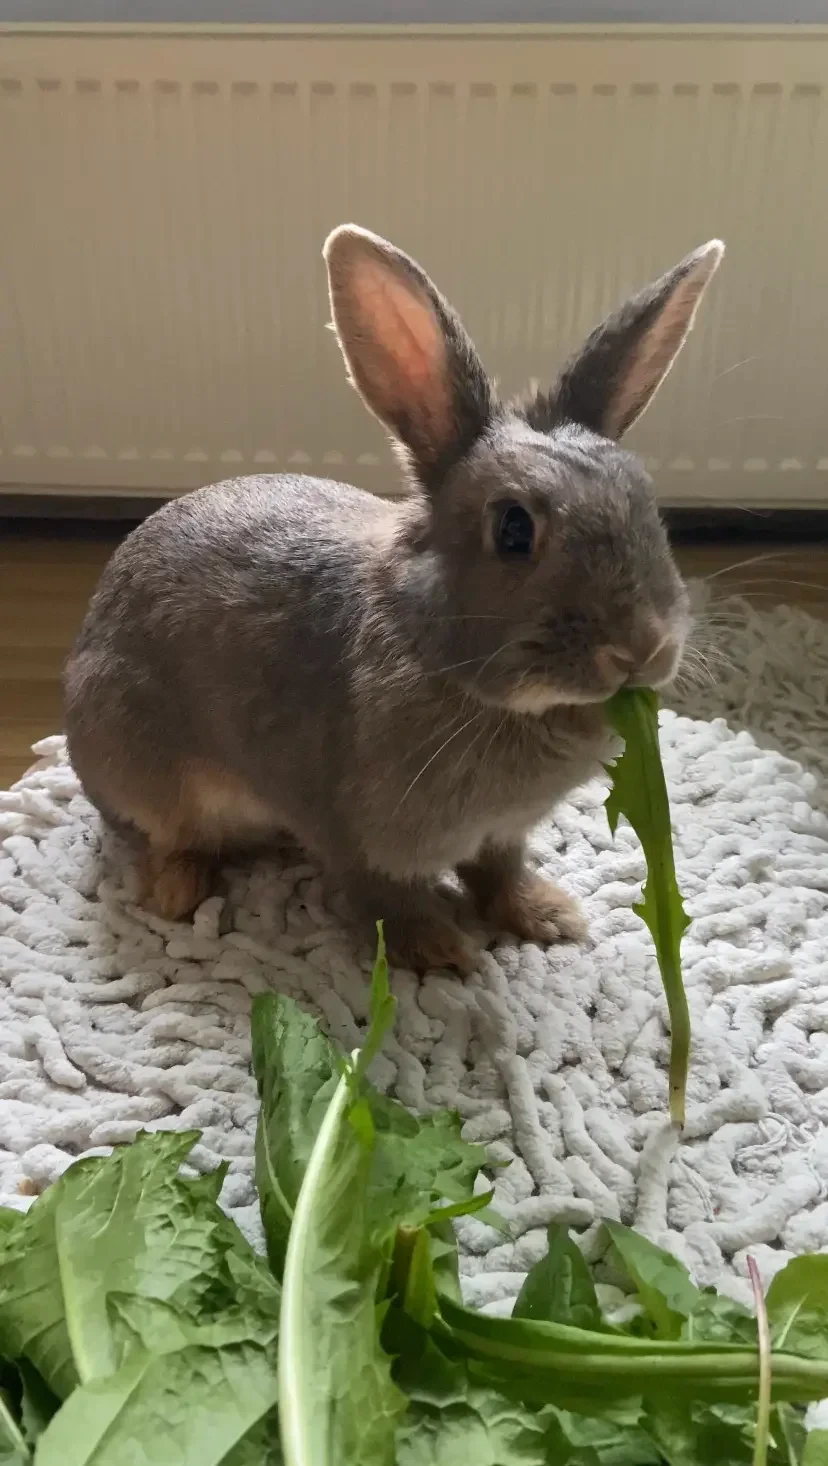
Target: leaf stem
{"points": [[679, 1040], [556, 1354], [760, 1450], [293, 1418]]}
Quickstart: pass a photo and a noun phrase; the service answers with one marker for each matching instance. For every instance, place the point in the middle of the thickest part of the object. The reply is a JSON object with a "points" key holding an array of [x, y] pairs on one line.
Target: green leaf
{"points": [[296, 1070], [720, 1320], [383, 1011], [10, 1218], [607, 1443], [816, 1448], [419, 1163], [32, 1315], [26, 1407], [445, 1261], [126, 1222], [797, 1304], [191, 1407], [337, 1402], [476, 1426], [14, 1450], [662, 1284], [559, 1288], [689, 1434], [165, 1351], [135, 1226], [161, 1328], [413, 1274], [640, 793], [790, 1429], [260, 1447], [692, 1436], [452, 1421], [37, 1403], [586, 1371]]}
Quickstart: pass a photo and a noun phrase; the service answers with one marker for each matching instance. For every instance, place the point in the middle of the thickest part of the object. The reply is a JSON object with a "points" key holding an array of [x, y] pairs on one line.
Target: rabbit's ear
{"points": [[611, 380], [406, 351]]}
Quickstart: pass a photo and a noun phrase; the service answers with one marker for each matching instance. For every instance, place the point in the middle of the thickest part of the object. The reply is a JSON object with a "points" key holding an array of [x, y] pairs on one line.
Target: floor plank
{"points": [[48, 572]]}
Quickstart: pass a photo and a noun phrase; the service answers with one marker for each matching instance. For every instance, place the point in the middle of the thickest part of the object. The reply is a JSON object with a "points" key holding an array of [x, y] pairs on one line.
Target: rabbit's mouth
{"points": [[536, 690], [531, 674], [535, 696]]}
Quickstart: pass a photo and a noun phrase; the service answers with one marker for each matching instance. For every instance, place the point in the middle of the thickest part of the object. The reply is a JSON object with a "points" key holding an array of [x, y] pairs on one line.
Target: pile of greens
{"points": [[139, 1328]]}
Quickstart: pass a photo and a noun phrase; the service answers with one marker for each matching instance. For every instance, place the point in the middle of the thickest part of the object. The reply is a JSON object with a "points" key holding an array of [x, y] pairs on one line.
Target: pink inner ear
{"points": [[403, 336], [655, 355]]}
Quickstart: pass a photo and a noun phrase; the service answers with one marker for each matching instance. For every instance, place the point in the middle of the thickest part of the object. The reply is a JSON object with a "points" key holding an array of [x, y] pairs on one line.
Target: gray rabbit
{"points": [[405, 685]]}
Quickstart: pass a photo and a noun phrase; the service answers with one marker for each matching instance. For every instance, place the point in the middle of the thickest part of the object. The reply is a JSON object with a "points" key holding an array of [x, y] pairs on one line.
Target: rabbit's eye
{"points": [[515, 531]]}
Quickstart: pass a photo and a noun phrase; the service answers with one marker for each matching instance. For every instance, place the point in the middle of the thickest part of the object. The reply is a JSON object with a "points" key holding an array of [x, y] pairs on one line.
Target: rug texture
{"points": [[112, 1020]]}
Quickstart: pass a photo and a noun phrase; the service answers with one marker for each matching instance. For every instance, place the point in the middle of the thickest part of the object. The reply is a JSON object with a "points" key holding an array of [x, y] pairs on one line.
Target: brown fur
{"points": [[173, 884]]}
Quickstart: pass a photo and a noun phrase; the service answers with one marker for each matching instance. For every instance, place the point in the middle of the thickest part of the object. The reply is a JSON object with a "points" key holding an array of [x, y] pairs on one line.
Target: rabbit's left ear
{"points": [[616, 374]]}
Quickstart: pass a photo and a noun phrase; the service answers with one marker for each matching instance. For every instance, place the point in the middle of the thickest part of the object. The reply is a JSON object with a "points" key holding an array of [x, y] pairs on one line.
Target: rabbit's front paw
{"points": [[536, 910], [174, 885], [431, 943], [420, 930], [510, 897]]}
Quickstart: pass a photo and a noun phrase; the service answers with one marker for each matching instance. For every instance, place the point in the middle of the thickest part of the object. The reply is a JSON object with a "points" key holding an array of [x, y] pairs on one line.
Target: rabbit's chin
{"points": [[539, 697]]}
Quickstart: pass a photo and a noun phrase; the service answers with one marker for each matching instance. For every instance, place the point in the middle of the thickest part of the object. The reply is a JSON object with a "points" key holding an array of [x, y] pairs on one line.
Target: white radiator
{"points": [[165, 195]]}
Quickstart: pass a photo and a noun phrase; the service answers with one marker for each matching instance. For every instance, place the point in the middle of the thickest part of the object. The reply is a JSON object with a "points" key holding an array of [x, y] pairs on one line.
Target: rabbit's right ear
{"points": [[406, 351]]}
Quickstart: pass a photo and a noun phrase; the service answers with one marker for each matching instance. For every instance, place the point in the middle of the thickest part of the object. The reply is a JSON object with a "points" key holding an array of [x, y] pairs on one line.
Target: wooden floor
{"points": [[48, 573]]}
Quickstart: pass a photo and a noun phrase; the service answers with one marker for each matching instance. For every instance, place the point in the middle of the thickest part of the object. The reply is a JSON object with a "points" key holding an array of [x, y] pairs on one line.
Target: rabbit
{"points": [[407, 685]]}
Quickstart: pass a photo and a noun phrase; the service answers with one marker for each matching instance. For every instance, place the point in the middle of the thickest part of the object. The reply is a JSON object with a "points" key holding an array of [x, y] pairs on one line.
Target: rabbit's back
{"points": [[215, 640]]}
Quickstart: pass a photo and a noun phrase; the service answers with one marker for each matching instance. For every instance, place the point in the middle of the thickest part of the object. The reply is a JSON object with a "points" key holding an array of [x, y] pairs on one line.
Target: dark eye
{"points": [[515, 531]]}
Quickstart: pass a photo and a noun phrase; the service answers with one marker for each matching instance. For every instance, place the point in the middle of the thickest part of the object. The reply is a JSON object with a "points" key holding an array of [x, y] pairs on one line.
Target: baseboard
{"points": [[788, 526], [103, 508], [85, 515]]}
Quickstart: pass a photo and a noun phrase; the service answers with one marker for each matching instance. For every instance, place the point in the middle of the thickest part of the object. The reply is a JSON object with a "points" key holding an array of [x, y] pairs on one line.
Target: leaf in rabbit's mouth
{"points": [[639, 792]]}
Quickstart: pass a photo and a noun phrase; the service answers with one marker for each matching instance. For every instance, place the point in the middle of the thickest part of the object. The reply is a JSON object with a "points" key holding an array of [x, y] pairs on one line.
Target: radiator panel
{"points": [[166, 195]]}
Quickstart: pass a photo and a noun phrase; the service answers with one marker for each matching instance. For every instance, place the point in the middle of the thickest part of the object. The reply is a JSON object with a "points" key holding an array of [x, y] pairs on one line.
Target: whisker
{"points": [[514, 642], [497, 729], [467, 750], [435, 755], [769, 587], [444, 728], [720, 623], [733, 368], [758, 417], [740, 564], [452, 666]]}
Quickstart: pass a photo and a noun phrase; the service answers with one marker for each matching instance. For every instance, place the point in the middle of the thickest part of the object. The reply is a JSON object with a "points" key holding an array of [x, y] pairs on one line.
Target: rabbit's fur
{"points": [[406, 686]]}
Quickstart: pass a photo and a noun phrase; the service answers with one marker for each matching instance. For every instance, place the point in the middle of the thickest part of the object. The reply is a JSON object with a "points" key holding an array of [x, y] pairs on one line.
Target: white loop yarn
{"points": [[112, 1020]]}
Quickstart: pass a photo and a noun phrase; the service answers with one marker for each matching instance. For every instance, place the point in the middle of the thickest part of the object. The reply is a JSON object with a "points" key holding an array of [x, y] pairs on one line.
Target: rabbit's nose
{"points": [[649, 663]]}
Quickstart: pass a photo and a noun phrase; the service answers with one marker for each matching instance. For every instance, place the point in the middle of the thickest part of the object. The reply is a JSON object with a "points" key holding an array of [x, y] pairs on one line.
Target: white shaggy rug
{"points": [[111, 1019]]}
